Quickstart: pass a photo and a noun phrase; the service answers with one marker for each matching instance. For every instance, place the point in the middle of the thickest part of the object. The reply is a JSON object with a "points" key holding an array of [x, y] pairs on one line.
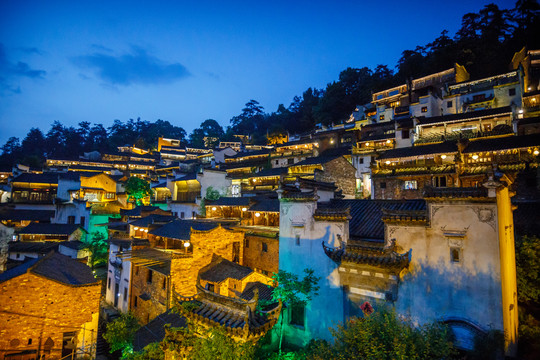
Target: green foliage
{"points": [[152, 351], [120, 333], [138, 189], [293, 291], [98, 247], [528, 268], [211, 194], [188, 306], [383, 335]]}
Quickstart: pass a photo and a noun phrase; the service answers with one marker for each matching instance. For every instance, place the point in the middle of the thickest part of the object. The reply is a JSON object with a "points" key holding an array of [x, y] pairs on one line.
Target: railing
{"points": [[458, 135]]}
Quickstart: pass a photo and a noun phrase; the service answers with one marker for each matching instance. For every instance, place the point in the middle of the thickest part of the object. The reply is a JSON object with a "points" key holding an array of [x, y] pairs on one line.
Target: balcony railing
{"points": [[465, 134]]}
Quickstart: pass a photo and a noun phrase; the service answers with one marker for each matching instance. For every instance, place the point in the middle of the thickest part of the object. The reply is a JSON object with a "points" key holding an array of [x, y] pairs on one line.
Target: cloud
{"points": [[11, 72], [136, 67]]}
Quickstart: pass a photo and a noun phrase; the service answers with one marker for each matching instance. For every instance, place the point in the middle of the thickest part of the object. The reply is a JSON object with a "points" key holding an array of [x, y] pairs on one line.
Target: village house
{"points": [[62, 317]]}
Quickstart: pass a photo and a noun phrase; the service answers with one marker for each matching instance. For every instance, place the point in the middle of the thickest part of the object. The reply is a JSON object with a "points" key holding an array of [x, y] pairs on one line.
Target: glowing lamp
{"points": [[296, 147], [367, 144], [331, 141], [135, 228], [244, 209], [145, 230], [387, 162], [257, 214], [443, 157], [388, 141], [536, 152], [475, 157], [186, 244], [214, 208], [520, 111]]}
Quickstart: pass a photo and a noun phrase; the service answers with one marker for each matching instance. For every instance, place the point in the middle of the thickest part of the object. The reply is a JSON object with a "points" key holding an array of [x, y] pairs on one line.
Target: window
{"points": [[297, 315], [109, 284], [290, 161], [18, 256], [136, 270], [125, 294], [455, 254], [182, 215], [164, 285], [210, 287], [83, 220], [405, 134], [246, 243], [381, 117], [71, 219], [424, 109], [411, 185], [449, 104], [30, 341], [511, 91], [383, 185], [194, 214], [480, 97], [297, 240], [265, 273], [135, 301], [439, 181], [149, 276], [277, 162], [264, 247]]}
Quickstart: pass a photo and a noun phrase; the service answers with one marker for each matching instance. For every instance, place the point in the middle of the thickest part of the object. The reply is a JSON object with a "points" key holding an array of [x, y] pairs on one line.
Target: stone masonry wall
{"points": [[256, 258], [219, 241], [342, 173], [33, 309], [147, 310]]}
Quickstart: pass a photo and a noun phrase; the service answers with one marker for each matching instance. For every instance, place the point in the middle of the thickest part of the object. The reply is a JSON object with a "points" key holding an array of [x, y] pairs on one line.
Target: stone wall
{"points": [[256, 258], [34, 309], [342, 173], [219, 241], [157, 289]]}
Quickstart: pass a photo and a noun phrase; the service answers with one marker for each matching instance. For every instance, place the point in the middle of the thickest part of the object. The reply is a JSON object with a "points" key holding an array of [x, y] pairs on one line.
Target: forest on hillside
{"points": [[484, 44]]}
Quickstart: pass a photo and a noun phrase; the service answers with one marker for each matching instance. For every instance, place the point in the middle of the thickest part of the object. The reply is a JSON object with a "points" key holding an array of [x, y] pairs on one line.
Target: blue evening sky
{"points": [[185, 62]]}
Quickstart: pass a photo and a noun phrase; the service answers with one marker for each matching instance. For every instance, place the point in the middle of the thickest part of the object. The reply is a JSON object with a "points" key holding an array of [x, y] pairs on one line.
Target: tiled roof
{"points": [[41, 247], [440, 148], [229, 201], [265, 291], [318, 160], [181, 229], [268, 205], [50, 229], [154, 331], [249, 153], [18, 270], [45, 178], [222, 270], [152, 219], [465, 116], [503, 143], [129, 242], [185, 177], [268, 172], [64, 269], [383, 257], [137, 211], [75, 244], [366, 215], [33, 215]]}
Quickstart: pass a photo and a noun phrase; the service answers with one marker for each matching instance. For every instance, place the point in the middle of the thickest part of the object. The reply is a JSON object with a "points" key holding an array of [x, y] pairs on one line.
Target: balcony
{"points": [[438, 136]]}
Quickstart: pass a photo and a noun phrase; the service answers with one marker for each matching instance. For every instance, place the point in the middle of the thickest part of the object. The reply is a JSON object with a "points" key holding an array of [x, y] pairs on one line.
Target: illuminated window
{"points": [[424, 109], [381, 117], [455, 254], [411, 185]]}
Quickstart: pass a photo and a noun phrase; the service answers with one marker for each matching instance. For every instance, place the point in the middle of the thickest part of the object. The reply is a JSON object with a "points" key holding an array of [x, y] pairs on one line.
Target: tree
{"points": [[292, 291], [98, 247], [209, 128], [211, 194], [383, 335], [121, 332], [138, 189]]}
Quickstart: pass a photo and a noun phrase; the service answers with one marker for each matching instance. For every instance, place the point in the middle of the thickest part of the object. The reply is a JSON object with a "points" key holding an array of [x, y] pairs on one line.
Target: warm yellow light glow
{"points": [[244, 209], [186, 244], [535, 152], [475, 157], [214, 208], [257, 214], [296, 147], [367, 144], [388, 141], [443, 157], [135, 228], [387, 162], [145, 230], [331, 141]]}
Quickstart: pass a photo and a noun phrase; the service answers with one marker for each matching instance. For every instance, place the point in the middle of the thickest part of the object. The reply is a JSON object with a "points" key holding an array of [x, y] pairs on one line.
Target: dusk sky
{"points": [[185, 62]]}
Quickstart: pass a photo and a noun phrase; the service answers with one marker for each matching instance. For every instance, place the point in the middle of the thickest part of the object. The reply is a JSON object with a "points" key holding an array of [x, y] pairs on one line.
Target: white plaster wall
{"points": [[296, 219], [436, 288], [186, 208], [125, 280], [218, 180], [64, 185]]}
